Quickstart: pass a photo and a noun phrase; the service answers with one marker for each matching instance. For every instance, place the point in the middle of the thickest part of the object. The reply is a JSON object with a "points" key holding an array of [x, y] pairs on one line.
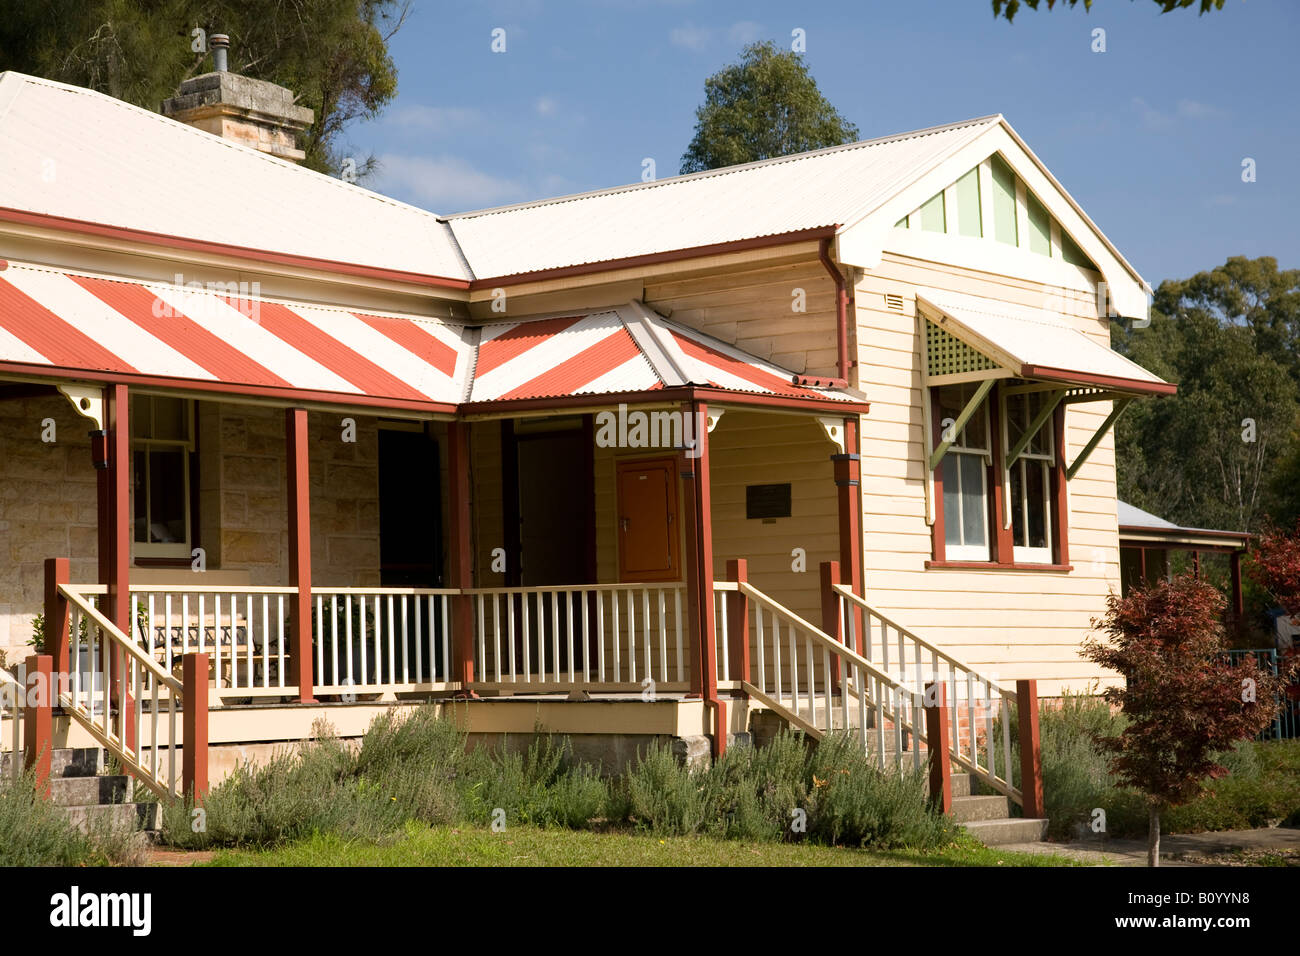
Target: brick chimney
{"points": [[256, 113]]}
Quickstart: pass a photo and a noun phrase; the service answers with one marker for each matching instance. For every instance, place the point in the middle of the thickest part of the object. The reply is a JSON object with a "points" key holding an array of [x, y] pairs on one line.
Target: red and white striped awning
{"points": [[624, 349], [177, 334]]}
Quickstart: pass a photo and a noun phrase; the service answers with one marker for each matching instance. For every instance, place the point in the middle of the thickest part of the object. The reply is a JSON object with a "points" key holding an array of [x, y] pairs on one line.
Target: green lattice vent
{"points": [[949, 355]]}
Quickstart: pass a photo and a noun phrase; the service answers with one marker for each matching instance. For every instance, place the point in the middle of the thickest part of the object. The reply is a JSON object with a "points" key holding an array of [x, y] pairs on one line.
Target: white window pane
{"points": [[974, 531]]}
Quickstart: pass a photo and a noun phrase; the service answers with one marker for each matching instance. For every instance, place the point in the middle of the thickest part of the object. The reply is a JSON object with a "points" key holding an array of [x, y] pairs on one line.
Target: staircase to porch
{"points": [[900, 696]]}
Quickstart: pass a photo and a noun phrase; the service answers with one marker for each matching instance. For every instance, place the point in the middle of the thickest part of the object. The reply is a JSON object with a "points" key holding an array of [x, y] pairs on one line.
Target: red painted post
{"points": [[114, 518], [694, 470], [194, 720], [830, 576], [38, 719], [56, 638], [738, 620], [296, 441], [848, 481], [460, 556], [936, 730], [1031, 760], [1238, 607]]}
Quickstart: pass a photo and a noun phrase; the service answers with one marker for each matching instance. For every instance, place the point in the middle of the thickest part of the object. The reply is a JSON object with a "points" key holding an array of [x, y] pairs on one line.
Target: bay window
{"points": [[1000, 483]]}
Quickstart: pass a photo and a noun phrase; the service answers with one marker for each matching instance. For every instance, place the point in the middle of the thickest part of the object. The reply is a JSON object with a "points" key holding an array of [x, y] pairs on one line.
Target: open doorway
{"points": [[549, 482], [410, 516]]}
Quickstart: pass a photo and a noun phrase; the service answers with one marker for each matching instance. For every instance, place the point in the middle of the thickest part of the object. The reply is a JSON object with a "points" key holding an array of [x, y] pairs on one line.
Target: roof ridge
{"points": [[722, 170], [222, 141]]}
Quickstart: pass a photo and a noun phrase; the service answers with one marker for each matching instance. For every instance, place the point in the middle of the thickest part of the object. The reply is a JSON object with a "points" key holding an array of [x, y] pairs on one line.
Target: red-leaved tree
{"points": [[1184, 700], [1274, 564]]}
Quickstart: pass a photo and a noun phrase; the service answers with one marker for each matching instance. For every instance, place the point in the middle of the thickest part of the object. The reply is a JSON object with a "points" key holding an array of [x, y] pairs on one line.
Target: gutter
{"points": [[841, 314]]}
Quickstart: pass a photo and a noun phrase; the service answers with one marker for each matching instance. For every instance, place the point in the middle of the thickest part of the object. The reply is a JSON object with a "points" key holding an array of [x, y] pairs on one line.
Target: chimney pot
{"points": [[220, 43]]}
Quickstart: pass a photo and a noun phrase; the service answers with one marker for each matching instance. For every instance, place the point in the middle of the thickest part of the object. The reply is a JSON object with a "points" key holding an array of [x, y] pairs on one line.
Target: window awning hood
{"points": [[969, 338]]}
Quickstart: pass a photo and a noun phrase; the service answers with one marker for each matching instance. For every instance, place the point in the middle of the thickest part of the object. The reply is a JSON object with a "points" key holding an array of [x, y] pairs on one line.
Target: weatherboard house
{"points": [[794, 440]]}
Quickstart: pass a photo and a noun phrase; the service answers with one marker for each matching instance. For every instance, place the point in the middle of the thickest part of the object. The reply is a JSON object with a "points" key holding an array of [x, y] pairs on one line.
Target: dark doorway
{"points": [[553, 475], [410, 518]]}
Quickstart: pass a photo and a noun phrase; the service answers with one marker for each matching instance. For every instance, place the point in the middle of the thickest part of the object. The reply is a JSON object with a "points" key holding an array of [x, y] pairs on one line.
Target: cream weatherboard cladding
{"points": [[1009, 622]]}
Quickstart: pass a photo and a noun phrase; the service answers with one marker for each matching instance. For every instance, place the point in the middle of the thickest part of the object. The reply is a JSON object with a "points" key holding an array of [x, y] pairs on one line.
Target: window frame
{"points": [[144, 553], [1046, 462], [1002, 549]]}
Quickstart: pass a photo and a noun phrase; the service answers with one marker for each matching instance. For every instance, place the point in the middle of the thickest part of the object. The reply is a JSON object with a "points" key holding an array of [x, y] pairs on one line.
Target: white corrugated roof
{"points": [[71, 152], [827, 187], [1027, 338], [1131, 516]]}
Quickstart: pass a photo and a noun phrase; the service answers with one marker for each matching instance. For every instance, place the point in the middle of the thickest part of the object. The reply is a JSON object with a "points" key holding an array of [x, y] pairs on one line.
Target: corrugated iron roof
{"points": [[74, 153], [1035, 341], [72, 321], [89, 323], [826, 187]]}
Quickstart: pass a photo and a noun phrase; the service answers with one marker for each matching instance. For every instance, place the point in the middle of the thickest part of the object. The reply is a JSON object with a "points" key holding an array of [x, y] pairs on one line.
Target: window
{"points": [[990, 511], [1029, 479], [964, 474], [162, 441]]}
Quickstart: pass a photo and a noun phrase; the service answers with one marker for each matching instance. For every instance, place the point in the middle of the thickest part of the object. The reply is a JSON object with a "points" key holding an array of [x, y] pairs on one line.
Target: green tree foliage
{"points": [[1009, 8], [333, 54], [764, 106], [1210, 456]]}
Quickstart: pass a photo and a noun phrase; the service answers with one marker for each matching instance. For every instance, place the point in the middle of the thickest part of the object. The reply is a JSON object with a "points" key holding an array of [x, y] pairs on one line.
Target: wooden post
{"points": [[936, 730], [194, 720], [38, 719], [848, 480], [1238, 606], [114, 520], [299, 499], [831, 623], [1031, 761], [738, 620], [694, 470], [56, 639], [461, 560]]}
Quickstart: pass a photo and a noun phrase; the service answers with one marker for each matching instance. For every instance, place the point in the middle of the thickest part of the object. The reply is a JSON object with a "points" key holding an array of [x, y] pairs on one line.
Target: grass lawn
{"points": [[524, 846]]}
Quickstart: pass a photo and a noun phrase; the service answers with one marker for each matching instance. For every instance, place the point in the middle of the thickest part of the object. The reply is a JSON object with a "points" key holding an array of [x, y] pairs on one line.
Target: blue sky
{"points": [[1148, 136]]}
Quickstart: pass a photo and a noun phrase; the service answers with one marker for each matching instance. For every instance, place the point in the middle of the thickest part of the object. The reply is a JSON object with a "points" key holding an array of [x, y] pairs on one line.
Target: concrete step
{"points": [[960, 785], [1006, 830], [967, 809], [141, 816], [83, 791], [67, 762]]}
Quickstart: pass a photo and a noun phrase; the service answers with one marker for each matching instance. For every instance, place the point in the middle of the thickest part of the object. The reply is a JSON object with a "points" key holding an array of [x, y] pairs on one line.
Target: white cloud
{"points": [[744, 32], [546, 106], [690, 37], [431, 119], [442, 184], [1155, 119]]}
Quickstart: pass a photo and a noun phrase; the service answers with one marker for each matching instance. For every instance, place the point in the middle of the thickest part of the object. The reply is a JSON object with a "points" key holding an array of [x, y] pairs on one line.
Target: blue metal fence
{"points": [[1287, 724]]}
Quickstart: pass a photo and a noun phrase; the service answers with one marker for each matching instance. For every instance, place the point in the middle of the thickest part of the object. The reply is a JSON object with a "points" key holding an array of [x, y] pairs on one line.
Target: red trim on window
{"points": [[1106, 381], [1060, 501], [1001, 540]]}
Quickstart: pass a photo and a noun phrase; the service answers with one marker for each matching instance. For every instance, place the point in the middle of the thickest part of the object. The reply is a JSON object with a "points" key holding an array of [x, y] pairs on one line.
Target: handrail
{"points": [[847, 592], [73, 594], [15, 744], [548, 588], [968, 759], [891, 700], [124, 743]]}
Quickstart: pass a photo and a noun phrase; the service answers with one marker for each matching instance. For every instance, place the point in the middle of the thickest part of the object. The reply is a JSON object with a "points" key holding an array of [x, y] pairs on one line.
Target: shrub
{"points": [[665, 797], [855, 802], [542, 787], [35, 832]]}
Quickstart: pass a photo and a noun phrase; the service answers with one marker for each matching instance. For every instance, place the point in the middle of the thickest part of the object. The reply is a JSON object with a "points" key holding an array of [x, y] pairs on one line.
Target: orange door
{"points": [[647, 521]]}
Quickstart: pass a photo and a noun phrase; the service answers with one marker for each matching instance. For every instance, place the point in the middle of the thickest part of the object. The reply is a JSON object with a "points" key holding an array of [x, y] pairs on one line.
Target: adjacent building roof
{"points": [[228, 339], [1138, 528], [76, 154]]}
